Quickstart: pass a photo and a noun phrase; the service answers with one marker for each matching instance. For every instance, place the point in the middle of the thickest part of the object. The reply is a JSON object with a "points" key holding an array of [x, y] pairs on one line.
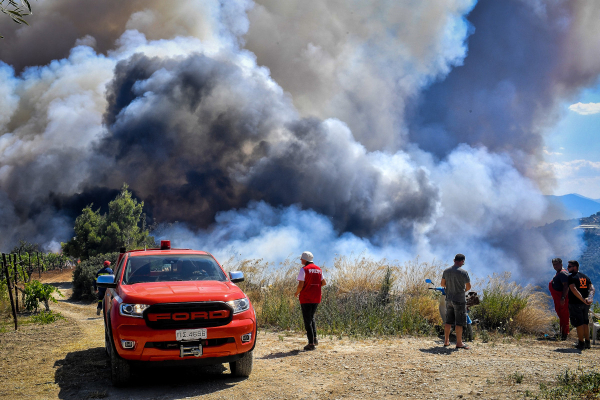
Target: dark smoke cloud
{"points": [[57, 25], [197, 132], [522, 62]]}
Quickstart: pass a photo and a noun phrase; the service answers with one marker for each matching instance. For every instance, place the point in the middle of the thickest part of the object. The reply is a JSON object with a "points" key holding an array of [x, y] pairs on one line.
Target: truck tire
{"points": [[243, 366], [107, 343], [120, 370]]}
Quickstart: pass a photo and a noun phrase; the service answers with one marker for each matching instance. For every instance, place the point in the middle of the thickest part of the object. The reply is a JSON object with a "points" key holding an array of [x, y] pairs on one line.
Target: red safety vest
{"points": [[311, 292]]}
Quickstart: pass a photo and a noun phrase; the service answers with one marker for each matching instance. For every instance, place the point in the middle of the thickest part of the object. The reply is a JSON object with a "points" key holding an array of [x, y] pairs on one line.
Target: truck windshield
{"points": [[174, 267]]}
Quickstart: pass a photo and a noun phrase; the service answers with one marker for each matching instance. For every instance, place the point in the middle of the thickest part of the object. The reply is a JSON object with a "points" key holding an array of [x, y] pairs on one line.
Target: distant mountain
{"points": [[591, 254], [575, 205], [589, 259]]}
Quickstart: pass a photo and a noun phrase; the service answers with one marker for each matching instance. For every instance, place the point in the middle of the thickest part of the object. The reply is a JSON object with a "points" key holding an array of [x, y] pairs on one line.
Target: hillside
{"points": [[590, 259], [575, 205]]}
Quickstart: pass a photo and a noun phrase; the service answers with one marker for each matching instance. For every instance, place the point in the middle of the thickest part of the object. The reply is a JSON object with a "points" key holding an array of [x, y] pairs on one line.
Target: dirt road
{"points": [[66, 360]]}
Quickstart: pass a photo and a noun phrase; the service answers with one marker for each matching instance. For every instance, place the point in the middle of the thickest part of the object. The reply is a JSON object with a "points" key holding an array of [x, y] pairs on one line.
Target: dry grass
{"points": [[348, 275], [365, 274], [535, 318], [362, 295], [427, 307], [512, 308]]}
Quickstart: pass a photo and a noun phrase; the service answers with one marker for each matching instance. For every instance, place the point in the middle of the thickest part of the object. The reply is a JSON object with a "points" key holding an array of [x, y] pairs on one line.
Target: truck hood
{"points": [[178, 292]]}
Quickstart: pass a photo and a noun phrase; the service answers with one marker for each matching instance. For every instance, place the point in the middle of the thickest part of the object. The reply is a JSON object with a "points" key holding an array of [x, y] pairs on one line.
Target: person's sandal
{"points": [[309, 346], [464, 347]]}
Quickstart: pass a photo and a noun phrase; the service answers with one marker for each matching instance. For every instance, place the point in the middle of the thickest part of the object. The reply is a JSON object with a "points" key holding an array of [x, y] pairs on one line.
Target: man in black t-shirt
{"points": [[581, 295]]}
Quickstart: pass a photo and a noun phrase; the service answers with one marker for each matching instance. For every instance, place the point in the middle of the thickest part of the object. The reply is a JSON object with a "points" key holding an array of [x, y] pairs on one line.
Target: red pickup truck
{"points": [[175, 307]]}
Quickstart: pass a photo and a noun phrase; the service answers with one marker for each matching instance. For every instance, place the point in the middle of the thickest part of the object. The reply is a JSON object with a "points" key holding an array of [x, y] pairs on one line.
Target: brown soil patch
{"points": [[67, 360]]}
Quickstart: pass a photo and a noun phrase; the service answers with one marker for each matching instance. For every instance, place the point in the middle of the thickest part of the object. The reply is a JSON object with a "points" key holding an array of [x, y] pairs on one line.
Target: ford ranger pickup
{"points": [[167, 307]]}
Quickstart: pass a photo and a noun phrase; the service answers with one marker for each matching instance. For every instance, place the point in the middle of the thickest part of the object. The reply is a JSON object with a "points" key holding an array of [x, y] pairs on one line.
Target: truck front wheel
{"points": [[120, 370], [243, 366]]}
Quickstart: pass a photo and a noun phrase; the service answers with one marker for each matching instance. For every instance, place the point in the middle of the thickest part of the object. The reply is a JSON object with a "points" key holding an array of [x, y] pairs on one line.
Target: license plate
{"points": [[190, 334]]}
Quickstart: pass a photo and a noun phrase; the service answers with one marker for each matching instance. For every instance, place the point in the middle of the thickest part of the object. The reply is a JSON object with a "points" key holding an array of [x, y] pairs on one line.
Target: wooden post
{"points": [[39, 267], [16, 281], [30, 270], [12, 304]]}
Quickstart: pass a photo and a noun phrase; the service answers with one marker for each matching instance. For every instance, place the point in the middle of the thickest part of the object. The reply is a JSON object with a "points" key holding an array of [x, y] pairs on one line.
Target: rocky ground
{"points": [[67, 360]]}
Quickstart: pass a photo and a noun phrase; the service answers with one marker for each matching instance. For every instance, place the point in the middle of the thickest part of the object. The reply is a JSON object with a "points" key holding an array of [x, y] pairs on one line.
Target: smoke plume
{"points": [[394, 128]]}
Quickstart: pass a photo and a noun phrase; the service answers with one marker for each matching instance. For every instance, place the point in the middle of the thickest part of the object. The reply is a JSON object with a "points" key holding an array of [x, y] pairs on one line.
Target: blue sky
{"points": [[573, 149]]}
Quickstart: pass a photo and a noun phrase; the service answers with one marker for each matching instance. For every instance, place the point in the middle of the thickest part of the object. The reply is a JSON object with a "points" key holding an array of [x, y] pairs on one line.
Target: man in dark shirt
{"points": [[105, 270], [559, 289], [457, 282], [581, 296]]}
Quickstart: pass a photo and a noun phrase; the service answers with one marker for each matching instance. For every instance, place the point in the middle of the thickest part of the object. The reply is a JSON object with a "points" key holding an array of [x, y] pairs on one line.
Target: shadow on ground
{"points": [[61, 285], [85, 374], [281, 354], [572, 350], [439, 350]]}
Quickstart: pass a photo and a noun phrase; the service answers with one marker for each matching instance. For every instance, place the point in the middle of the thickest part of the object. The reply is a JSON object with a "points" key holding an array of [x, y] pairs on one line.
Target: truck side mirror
{"points": [[106, 281], [236, 276]]}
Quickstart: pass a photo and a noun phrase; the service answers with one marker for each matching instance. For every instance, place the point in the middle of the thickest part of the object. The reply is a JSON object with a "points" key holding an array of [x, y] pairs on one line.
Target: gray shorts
{"points": [[456, 313]]}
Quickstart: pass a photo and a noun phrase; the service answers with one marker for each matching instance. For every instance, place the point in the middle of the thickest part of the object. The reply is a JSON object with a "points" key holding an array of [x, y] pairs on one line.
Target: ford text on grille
{"points": [[190, 316]]}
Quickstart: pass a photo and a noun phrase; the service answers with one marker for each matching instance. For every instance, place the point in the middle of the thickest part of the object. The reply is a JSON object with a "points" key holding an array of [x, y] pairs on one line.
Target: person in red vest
{"points": [[310, 281], [559, 288]]}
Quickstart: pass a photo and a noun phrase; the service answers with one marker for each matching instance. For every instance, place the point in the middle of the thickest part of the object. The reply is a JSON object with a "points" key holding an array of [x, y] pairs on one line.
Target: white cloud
{"points": [[576, 176], [569, 168], [552, 153], [585, 109]]}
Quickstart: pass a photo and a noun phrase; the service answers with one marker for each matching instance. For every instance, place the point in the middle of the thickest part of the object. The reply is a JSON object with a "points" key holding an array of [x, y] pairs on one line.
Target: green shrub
{"points": [[46, 317], [85, 275], [573, 385], [4, 300], [36, 292], [501, 302], [517, 377], [484, 336]]}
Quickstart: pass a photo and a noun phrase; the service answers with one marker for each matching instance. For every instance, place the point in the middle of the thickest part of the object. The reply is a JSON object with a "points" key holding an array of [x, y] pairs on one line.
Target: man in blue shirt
{"points": [[106, 270]]}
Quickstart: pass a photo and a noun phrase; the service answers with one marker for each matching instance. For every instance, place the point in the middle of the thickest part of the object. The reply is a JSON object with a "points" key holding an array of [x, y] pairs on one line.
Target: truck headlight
{"points": [[132, 310], [240, 305]]}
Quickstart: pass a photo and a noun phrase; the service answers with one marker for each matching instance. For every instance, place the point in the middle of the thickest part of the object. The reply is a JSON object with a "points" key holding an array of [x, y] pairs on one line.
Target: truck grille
{"points": [[188, 315]]}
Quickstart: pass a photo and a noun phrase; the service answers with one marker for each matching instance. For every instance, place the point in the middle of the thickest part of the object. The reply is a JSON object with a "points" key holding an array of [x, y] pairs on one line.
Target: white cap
{"points": [[307, 256]]}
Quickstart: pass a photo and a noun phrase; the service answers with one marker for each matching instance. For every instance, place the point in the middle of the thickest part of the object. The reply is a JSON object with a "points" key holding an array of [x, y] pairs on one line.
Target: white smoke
{"points": [[361, 62]]}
